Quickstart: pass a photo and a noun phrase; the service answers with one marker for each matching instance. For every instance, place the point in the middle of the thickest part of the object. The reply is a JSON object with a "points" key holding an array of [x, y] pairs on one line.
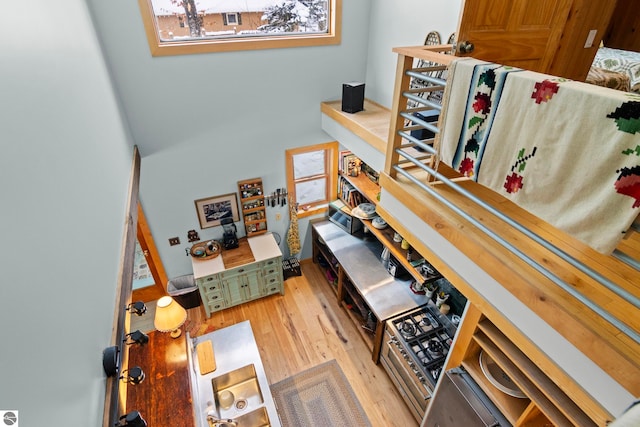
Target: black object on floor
{"points": [[291, 267]]}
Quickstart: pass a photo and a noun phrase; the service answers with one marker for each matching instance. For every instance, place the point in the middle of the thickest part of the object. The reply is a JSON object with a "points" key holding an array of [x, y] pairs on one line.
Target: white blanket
{"points": [[568, 152]]}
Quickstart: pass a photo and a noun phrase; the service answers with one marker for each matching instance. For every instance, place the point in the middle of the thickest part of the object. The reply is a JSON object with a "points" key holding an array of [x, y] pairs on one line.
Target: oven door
{"points": [[459, 401], [399, 367]]}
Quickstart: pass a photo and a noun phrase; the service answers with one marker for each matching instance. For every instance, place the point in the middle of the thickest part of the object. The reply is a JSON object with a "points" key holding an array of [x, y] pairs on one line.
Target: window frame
{"points": [[164, 48], [330, 174]]}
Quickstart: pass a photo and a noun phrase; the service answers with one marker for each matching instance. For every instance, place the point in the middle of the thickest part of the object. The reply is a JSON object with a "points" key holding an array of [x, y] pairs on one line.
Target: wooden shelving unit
{"points": [[545, 403], [323, 256], [252, 204], [357, 310]]}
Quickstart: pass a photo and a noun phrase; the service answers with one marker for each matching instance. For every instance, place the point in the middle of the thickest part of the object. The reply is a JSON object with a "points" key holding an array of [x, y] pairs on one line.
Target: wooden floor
{"points": [[306, 327]]}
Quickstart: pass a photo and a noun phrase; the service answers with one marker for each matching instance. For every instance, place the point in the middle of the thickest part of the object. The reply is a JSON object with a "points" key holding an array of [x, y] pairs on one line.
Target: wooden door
{"points": [[521, 33], [145, 239]]}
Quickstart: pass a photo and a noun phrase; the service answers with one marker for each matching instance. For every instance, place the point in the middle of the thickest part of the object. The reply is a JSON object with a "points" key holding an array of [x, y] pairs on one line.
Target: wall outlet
{"points": [[174, 241]]}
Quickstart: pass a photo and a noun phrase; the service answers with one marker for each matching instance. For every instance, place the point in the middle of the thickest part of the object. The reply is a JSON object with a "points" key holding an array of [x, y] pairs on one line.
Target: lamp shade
{"points": [[169, 316]]}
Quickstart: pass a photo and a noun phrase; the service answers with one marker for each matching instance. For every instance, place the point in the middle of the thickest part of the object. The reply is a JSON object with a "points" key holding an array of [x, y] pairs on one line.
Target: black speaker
{"points": [[352, 97]]}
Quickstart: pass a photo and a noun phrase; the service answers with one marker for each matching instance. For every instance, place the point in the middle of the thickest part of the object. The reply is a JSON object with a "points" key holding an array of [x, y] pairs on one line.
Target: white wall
{"points": [[402, 23], [64, 171], [204, 122]]}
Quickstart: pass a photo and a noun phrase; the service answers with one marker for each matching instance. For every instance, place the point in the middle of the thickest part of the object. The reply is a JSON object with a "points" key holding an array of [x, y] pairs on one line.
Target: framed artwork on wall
{"points": [[213, 209]]}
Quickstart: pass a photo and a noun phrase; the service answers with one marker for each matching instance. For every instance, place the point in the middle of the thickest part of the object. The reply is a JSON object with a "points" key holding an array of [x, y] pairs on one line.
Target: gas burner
{"points": [[435, 348], [428, 321], [407, 329]]}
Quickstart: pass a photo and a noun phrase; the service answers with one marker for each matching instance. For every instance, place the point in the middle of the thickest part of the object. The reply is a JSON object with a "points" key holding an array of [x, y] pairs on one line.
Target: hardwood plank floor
{"points": [[307, 327]]}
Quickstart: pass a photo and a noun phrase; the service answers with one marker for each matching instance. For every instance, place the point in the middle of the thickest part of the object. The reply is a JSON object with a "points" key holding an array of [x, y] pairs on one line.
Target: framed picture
{"points": [[213, 209]]}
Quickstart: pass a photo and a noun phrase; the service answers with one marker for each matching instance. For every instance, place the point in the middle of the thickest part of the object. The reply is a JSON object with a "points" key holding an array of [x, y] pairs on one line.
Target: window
{"points": [[311, 176], [231, 18], [176, 27]]}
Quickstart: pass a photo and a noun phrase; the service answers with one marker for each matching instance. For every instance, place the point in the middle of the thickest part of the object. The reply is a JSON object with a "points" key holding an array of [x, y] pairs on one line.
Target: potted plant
{"points": [[441, 298], [430, 289]]}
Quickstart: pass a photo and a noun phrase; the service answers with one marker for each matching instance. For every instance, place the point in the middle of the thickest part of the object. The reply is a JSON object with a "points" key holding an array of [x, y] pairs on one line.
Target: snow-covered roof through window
{"points": [[166, 7]]}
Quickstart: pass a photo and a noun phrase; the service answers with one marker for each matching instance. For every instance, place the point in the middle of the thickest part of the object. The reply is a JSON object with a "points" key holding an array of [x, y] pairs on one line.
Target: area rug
{"points": [[196, 329], [319, 396]]}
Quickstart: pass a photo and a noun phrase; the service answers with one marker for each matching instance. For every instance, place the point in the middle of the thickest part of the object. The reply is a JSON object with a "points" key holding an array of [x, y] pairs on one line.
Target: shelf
{"points": [[550, 402], [252, 205], [360, 321], [371, 124], [385, 236], [365, 186]]}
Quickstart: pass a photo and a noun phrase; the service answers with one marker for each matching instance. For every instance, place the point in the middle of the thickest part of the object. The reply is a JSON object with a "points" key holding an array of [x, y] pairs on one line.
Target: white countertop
{"points": [[262, 247]]}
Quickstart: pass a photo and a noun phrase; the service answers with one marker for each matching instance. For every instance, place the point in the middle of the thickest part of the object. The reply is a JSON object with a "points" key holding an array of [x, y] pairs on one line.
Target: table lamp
{"points": [[169, 316]]}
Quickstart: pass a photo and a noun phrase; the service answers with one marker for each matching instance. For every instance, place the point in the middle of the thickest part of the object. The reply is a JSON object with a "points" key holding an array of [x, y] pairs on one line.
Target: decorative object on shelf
{"points": [[192, 236], [132, 419], [136, 337], [498, 377], [138, 308], [417, 288], [169, 316], [133, 376], [370, 173], [212, 210], [379, 223], [253, 205], [205, 250], [404, 244], [430, 289], [445, 308], [364, 211], [441, 298], [397, 237]]}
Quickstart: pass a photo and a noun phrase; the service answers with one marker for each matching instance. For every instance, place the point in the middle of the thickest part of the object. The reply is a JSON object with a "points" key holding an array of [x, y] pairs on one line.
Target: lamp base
{"points": [[176, 333]]}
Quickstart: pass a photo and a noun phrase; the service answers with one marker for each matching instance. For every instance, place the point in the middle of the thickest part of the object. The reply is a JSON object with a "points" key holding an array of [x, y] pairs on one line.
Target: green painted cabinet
{"points": [[222, 288]]}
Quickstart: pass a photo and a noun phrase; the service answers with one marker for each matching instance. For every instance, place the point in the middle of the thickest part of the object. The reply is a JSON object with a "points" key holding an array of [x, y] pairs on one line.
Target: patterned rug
{"points": [[319, 396], [196, 329]]}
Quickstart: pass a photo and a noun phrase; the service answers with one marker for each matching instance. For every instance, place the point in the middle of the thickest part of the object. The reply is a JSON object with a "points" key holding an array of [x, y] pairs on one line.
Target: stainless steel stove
{"points": [[416, 345]]}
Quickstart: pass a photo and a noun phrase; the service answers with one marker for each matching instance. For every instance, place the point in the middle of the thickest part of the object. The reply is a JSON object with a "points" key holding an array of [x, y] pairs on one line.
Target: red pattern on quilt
{"points": [[544, 91]]}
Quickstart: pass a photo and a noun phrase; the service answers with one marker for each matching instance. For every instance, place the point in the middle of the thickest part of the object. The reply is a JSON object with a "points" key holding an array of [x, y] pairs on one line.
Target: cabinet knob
{"points": [[241, 270]]}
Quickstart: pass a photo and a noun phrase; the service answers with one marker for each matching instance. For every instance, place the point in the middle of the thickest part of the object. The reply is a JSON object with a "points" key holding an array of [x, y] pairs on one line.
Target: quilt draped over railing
{"points": [[566, 151]]}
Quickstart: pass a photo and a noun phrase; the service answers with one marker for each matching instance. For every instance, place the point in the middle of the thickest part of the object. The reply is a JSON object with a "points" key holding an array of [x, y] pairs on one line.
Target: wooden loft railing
{"points": [[589, 298]]}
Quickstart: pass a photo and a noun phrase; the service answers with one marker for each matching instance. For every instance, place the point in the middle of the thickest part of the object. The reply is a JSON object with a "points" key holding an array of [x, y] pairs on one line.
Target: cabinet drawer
{"points": [[273, 262], [272, 269], [212, 287], [214, 296], [239, 270], [207, 280], [272, 279], [273, 288], [216, 305]]}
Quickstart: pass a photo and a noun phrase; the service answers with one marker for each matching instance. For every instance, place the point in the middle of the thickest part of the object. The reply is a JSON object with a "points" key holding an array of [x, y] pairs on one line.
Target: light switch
{"points": [[590, 38]]}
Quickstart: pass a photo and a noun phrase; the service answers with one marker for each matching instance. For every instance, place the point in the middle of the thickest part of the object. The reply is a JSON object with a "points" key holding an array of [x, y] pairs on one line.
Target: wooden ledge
{"points": [[371, 124]]}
